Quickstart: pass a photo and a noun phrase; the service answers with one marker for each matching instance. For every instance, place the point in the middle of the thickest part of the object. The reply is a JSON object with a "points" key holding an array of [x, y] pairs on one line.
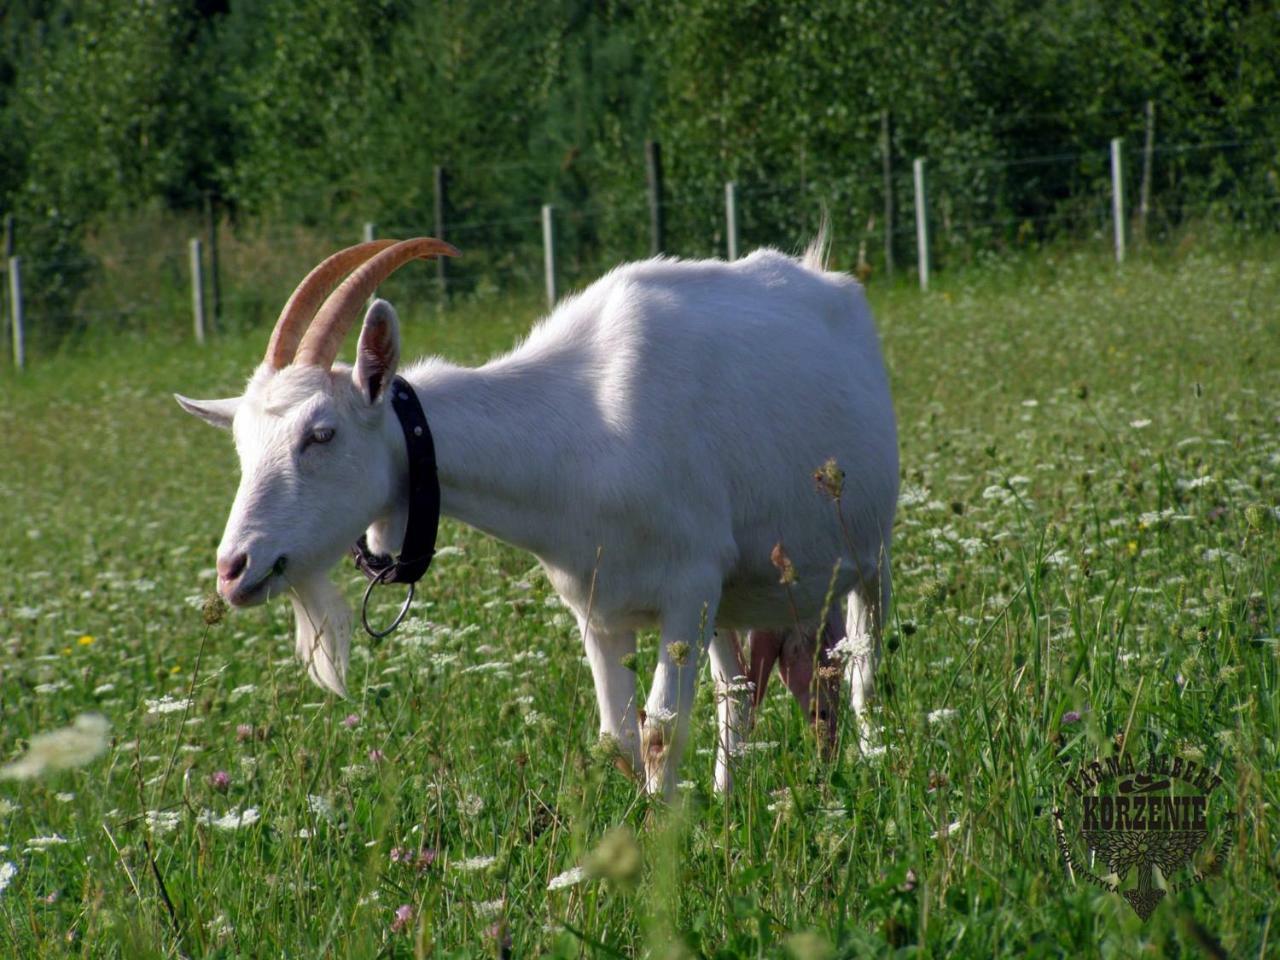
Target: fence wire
{"points": [[150, 285]]}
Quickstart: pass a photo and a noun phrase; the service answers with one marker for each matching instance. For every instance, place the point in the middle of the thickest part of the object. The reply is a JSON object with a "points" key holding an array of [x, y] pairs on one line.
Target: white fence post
{"points": [[549, 255], [197, 290], [370, 228], [1117, 197], [922, 224], [731, 218], [15, 307]]}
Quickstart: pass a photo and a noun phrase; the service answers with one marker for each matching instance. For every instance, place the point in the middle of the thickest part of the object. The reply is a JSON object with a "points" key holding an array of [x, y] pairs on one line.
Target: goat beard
{"points": [[323, 638]]}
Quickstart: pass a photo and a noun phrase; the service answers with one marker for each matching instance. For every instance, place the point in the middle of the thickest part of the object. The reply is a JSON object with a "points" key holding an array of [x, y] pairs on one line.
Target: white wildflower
{"points": [[44, 843], [7, 807], [7, 872], [167, 704], [320, 806], [569, 878], [470, 805], [492, 666], [1139, 424], [163, 821], [232, 820], [488, 908], [74, 746], [945, 713], [754, 746], [243, 690], [851, 648], [472, 864], [740, 684], [911, 496]]}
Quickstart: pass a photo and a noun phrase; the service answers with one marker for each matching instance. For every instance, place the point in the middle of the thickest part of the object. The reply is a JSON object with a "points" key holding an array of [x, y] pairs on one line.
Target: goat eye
{"points": [[319, 435]]}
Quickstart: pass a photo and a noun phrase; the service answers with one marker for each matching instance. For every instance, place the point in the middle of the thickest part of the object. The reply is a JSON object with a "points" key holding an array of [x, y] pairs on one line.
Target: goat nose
{"points": [[231, 567]]}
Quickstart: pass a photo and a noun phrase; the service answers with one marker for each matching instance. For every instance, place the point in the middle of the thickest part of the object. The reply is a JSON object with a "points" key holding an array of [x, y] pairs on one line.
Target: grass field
{"points": [[1087, 561]]}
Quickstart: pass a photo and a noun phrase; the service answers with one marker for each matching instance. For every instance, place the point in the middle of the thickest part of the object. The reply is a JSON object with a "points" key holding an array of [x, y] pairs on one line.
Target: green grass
{"points": [[1089, 524]]}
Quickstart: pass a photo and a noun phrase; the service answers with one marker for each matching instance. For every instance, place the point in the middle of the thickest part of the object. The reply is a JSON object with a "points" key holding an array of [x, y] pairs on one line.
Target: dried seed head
{"points": [[606, 749], [782, 563], [829, 479], [808, 945], [214, 609], [617, 857], [679, 651]]}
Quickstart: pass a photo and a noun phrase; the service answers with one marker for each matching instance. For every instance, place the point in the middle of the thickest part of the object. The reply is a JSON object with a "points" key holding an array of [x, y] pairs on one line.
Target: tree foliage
{"points": [[314, 111]]}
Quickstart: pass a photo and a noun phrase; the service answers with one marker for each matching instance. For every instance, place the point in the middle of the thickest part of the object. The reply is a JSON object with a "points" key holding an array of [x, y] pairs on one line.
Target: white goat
{"points": [[651, 442]]}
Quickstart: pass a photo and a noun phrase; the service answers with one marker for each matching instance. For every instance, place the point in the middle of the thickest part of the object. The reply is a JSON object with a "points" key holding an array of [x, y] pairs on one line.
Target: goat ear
{"points": [[378, 352], [217, 412]]}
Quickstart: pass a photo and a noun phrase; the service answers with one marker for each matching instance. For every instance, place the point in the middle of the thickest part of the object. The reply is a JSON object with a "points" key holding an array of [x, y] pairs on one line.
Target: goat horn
{"points": [[308, 297], [324, 337]]}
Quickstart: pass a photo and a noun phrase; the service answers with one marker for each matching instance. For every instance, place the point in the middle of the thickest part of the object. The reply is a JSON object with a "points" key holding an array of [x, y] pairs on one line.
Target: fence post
{"points": [[367, 235], [1117, 196], [922, 224], [731, 218], [549, 255], [887, 164], [197, 290], [653, 177], [439, 184], [1148, 148], [15, 308]]}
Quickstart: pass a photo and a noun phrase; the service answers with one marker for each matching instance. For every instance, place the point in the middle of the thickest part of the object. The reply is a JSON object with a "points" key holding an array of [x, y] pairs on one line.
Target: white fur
{"points": [[650, 442]]}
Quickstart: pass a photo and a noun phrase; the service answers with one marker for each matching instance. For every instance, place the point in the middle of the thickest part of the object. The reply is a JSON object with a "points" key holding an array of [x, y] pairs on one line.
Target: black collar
{"points": [[424, 508]]}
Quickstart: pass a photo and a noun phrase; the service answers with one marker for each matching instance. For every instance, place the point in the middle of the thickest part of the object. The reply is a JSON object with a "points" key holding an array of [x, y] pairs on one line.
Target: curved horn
{"points": [[308, 296], [324, 337]]}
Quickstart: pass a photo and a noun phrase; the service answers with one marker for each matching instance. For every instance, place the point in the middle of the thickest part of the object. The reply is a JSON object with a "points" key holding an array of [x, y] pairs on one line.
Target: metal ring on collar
{"points": [[364, 607]]}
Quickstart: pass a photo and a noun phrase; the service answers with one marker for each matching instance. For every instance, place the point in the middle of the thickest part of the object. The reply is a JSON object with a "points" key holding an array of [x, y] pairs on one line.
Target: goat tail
{"points": [[818, 252]]}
